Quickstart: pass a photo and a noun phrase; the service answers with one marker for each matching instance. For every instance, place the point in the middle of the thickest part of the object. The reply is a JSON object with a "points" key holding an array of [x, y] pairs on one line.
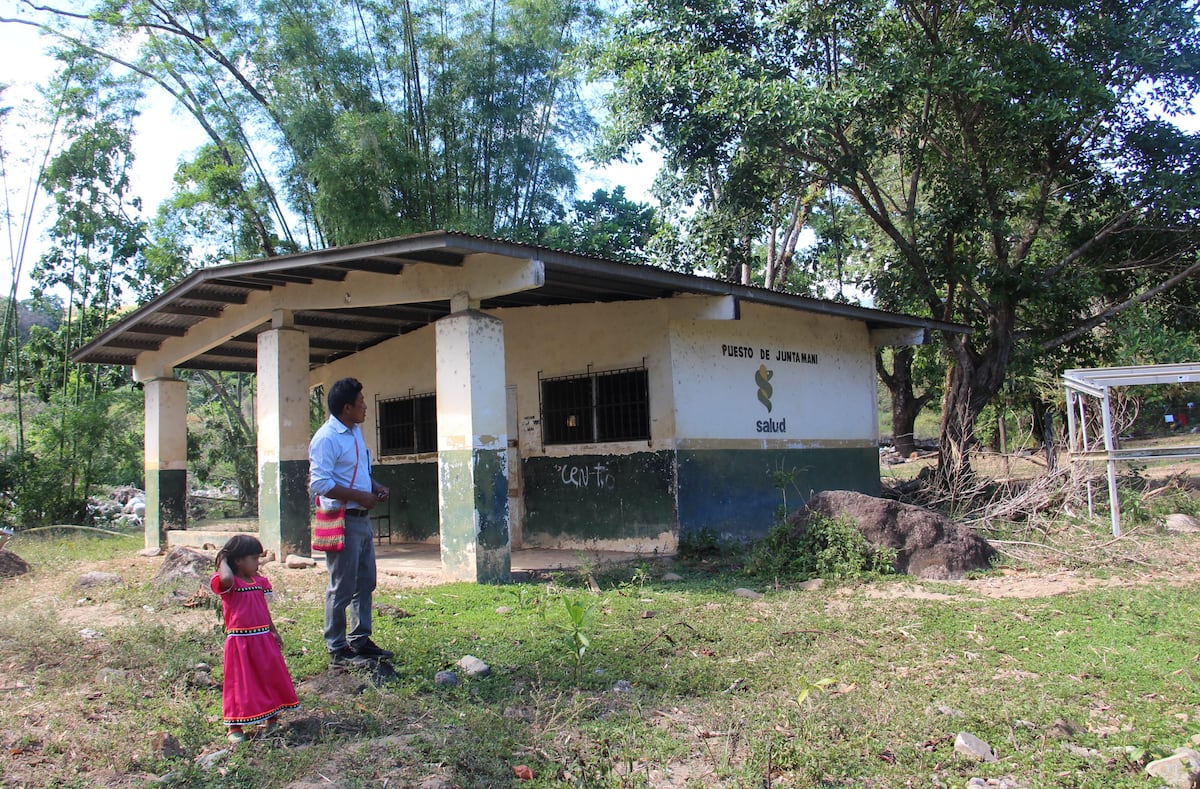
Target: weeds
{"points": [[577, 631], [642, 685], [831, 548]]}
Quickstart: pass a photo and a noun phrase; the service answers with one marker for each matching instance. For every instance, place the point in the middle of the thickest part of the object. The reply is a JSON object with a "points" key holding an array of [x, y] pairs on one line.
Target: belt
{"points": [[356, 513]]}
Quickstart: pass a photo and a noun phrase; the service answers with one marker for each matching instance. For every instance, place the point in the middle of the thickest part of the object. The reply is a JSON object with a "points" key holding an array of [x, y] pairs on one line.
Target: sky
{"points": [[164, 136]]}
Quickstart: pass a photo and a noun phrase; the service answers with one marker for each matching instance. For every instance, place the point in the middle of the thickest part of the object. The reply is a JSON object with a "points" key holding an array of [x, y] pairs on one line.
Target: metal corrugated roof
{"points": [[334, 333]]}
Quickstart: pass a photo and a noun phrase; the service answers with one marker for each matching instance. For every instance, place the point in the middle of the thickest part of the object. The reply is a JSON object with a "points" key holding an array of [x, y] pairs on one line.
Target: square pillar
{"points": [[166, 458], [472, 448], [282, 415]]}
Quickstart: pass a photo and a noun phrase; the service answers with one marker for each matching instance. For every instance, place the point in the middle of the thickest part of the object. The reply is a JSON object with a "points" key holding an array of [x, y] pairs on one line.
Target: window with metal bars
{"points": [[596, 407], [407, 425]]}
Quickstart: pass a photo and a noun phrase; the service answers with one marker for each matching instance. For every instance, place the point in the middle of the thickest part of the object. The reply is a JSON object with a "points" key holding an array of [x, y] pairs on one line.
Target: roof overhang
{"points": [[345, 300]]}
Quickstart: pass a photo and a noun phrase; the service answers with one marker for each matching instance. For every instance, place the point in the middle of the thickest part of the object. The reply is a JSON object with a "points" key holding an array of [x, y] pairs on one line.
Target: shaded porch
{"points": [[422, 561]]}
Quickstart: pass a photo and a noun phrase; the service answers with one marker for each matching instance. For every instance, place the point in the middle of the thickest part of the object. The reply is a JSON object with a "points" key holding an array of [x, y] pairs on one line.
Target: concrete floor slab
{"points": [[424, 560]]}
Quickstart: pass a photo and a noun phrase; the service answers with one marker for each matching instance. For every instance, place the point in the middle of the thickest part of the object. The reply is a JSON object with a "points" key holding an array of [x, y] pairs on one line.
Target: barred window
{"points": [[407, 425], [596, 407]]}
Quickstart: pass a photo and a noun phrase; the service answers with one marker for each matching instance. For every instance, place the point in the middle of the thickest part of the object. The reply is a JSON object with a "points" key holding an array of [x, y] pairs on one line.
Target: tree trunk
{"points": [[906, 405], [974, 378]]}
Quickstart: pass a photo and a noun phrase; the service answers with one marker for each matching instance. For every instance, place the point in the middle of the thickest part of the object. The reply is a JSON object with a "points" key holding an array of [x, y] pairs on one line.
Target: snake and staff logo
{"points": [[762, 377]]}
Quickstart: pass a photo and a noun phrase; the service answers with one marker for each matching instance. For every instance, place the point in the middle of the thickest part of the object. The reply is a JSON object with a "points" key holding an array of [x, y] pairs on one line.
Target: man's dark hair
{"points": [[342, 394]]}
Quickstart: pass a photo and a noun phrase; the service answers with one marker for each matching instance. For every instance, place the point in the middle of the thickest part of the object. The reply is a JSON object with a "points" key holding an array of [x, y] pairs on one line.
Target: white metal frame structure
{"points": [[1096, 382]]}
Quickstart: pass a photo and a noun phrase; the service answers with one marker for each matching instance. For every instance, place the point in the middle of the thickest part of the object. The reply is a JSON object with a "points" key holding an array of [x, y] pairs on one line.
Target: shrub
{"points": [[827, 547]]}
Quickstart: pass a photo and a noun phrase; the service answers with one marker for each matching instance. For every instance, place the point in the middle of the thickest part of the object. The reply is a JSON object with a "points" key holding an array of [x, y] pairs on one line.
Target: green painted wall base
{"points": [[283, 507], [412, 506], [474, 515], [166, 505], [598, 497], [738, 494]]}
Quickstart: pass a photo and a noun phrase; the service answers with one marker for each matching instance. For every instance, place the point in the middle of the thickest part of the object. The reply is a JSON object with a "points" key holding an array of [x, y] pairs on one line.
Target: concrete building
{"points": [[521, 396]]}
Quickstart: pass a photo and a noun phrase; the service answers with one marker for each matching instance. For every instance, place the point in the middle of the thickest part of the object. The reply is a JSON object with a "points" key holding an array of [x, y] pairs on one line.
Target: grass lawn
{"points": [[1075, 671]]}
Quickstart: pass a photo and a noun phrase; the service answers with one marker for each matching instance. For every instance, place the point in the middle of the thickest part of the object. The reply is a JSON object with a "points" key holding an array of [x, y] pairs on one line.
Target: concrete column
{"points": [[283, 436], [166, 458], [472, 448]]}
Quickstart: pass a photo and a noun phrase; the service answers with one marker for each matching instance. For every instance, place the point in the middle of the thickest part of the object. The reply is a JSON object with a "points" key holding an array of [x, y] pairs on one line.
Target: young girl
{"points": [[258, 685]]}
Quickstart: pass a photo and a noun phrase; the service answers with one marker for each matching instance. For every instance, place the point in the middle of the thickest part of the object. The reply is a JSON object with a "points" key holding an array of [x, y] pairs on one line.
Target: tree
{"points": [[326, 123], [608, 225], [1007, 154]]}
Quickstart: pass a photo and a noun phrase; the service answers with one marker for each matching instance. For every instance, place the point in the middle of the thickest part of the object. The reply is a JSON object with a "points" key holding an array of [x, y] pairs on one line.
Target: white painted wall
{"points": [[554, 341], [825, 396], [827, 403]]}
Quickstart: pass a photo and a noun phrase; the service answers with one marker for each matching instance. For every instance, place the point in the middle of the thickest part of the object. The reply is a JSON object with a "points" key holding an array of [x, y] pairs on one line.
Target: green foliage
{"points": [[608, 225], [699, 544], [577, 631], [222, 445], [831, 548], [808, 687], [793, 681], [964, 193], [70, 451]]}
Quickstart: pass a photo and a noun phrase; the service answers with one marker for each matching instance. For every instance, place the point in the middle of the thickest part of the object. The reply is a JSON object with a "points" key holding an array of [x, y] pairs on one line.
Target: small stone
{"points": [[970, 745], [1063, 729], [622, 686], [811, 585], [436, 782], [202, 679], [88, 580], [649, 614], [1179, 770], [749, 594], [150, 553], [89, 634], [522, 713], [207, 761], [502, 610], [202, 666], [473, 666], [295, 562], [672, 577], [268, 557], [446, 678], [1180, 522], [164, 746], [950, 712], [110, 676], [1081, 752]]}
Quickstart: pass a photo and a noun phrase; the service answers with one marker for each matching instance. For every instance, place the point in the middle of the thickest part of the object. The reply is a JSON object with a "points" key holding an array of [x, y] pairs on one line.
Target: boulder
{"points": [[927, 544], [183, 563], [12, 565]]}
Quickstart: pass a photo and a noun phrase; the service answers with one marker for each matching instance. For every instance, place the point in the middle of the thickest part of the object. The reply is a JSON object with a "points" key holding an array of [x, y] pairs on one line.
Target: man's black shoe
{"points": [[365, 647], [348, 658]]}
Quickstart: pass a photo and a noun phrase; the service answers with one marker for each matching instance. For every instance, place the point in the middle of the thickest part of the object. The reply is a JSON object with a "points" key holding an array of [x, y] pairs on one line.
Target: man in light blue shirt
{"points": [[340, 473]]}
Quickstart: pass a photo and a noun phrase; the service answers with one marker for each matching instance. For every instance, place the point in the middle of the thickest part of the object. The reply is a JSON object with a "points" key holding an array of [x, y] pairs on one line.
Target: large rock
{"points": [[185, 564], [12, 565], [927, 544]]}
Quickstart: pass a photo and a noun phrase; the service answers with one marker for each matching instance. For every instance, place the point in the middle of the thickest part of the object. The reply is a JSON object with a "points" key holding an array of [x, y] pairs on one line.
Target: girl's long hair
{"points": [[238, 546]]}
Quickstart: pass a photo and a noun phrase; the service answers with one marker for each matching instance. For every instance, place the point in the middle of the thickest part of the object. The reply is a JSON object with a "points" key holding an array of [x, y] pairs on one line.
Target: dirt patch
{"points": [[1016, 584]]}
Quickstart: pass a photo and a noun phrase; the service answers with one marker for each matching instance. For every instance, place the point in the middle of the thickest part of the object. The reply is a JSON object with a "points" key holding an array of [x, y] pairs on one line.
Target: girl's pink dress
{"points": [[257, 682]]}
